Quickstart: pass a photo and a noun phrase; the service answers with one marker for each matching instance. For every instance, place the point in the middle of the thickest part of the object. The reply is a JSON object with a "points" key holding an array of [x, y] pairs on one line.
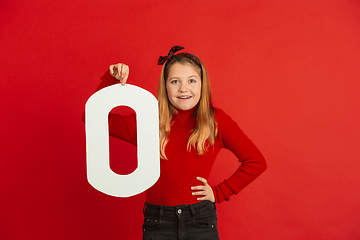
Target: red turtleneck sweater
{"points": [[178, 173]]}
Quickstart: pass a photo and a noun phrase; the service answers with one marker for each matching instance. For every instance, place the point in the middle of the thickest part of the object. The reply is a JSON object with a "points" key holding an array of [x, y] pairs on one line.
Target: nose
{"points": [[183, 87]]}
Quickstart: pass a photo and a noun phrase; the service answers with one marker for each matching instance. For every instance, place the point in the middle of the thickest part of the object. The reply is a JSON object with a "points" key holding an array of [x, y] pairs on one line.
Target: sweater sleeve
{"points": [[120, 126], [252, 162]]}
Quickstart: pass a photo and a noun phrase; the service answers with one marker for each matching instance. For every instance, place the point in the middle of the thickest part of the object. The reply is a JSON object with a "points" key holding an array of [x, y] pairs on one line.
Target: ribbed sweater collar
{"points": [[184, 114]]}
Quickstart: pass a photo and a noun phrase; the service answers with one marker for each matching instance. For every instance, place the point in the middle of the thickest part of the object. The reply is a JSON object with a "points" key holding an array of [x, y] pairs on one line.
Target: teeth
{"points": [[185, 97]]}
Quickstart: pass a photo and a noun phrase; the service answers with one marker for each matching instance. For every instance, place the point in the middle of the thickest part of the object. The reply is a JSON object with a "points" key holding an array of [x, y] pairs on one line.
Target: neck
{"points": [[180, 113]]}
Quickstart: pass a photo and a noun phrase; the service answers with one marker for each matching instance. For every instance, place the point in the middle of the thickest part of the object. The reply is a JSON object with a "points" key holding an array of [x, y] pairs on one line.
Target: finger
{"points": [[199, 193], [202, 198], [202, 187], [203, 180], [118, 75], [206, 197], [120, 66], [112, 68], [125, 73]]}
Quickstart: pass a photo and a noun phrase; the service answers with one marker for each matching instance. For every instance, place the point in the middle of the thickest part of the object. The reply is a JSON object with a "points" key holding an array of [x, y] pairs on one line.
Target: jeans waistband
{"points": [[199, 208]]}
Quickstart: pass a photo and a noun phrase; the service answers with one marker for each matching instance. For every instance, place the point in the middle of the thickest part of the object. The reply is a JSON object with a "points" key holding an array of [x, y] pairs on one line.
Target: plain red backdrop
{"points": [[287, 71]]}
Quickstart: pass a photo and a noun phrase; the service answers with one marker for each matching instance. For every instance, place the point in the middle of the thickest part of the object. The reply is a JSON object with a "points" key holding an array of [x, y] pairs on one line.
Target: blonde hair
{"points": [[206, 126]]}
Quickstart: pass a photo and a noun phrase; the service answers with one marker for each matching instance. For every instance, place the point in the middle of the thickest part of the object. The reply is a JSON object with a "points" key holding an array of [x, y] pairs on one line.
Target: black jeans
{"points": [[184, 222]]}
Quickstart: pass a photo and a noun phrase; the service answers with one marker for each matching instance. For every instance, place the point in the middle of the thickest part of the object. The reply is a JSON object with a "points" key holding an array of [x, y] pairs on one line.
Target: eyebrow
{"points": [[193, 76], [179, 78]]}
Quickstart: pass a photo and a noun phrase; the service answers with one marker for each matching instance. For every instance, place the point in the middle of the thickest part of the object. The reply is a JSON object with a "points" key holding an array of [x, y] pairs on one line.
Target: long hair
{"points": [[205, 131]]}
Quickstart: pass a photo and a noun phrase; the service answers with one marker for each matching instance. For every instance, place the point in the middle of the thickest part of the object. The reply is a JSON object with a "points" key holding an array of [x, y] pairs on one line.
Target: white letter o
{"points": [[99, 173]]}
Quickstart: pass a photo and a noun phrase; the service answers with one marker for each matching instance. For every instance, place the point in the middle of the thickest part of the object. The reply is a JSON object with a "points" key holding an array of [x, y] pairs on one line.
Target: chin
{"points": [[185, 107], [182, 105]]}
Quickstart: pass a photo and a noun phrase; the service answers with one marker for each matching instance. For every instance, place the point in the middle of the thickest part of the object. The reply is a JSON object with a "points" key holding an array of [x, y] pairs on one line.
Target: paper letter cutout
{"points": [[99, 173]]}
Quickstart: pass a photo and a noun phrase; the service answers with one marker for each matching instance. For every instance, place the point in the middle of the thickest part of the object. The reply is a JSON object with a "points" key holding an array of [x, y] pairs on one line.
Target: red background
{"points": [[287, 71]]}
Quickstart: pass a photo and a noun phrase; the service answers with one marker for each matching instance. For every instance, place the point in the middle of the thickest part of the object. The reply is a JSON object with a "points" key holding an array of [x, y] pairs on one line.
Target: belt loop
{"points": [[161, 211], [192, 209], [144, 207]]}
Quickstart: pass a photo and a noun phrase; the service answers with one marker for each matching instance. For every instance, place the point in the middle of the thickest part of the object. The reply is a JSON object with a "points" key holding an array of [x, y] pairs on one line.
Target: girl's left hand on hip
{"points": [[205, 190]]}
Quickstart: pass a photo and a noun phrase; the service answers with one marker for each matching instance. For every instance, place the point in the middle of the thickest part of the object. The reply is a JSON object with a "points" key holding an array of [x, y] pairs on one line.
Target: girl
{"points": [[181, 204]]}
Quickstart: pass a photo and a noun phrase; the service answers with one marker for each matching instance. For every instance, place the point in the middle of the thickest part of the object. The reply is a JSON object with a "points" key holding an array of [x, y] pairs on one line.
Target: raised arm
{"points": [[120, 126]]}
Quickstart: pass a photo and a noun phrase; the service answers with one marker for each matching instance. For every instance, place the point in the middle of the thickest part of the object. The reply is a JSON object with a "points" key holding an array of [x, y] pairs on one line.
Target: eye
{"points": [[175, 81], [192, 81]]}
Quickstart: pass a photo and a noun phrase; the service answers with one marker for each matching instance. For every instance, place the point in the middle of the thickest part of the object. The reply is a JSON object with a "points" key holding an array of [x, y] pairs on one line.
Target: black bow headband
{"points": [[174, 49]]}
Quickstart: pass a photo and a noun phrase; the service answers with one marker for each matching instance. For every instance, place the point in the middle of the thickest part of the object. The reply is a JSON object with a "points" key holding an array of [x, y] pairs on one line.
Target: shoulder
{"points": [[225, 124], [221, 117]]}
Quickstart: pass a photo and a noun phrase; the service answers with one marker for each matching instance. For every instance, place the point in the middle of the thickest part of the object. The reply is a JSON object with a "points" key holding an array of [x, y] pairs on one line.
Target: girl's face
{"points": [[183, 86]]}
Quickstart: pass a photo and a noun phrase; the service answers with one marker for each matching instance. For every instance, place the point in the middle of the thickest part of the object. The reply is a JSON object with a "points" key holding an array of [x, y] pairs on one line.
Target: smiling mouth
{"points": [[184, 97]]}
